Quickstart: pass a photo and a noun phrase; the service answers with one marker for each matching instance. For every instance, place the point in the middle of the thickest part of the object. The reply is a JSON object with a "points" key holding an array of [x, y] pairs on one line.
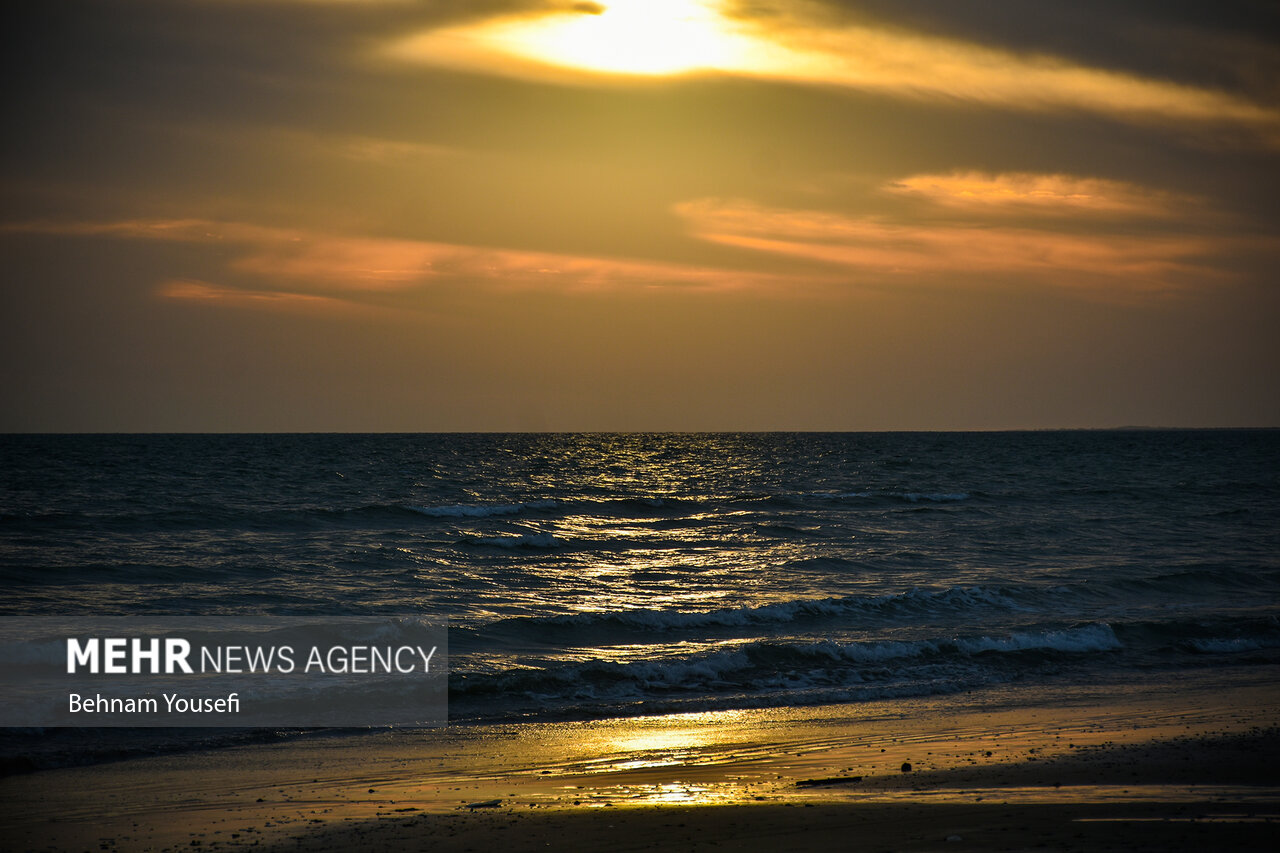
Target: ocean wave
{"points": [[768, 668], [1234, 635], [641, 506], [1197, 634], [526, 540], [912, 604], [1209, 578], [1098, 637], [779, 530], [1191, 585], [935, 497], [285, 516], [909, 497], [1231, 645], [481, 510], [1084, 639]]}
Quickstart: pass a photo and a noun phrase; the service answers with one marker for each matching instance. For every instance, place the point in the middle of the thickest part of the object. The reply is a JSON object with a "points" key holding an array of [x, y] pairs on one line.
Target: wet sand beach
{"points": [[1148, 768]]}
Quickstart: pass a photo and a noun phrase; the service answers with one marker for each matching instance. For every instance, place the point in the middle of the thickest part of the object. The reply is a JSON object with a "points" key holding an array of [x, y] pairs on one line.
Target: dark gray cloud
{"points": [[1230, 45], [120, 91], [203, 49]]}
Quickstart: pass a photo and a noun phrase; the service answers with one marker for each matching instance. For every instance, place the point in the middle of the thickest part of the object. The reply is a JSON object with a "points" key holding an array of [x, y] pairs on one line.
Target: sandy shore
{"points": [[1147, 768]]}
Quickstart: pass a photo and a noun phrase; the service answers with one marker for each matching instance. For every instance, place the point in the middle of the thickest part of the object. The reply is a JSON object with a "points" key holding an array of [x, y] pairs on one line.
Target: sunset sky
{"points": [[369, 215]]}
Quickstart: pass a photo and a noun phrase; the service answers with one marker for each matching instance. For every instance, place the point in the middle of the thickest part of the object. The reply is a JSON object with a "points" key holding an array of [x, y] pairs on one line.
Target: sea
{"points": [[585, 576]]}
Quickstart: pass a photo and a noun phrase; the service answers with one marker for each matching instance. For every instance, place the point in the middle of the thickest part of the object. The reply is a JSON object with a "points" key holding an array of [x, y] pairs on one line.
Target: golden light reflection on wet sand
{"points": [[664, 741], [664, 794], [1106, 751]]}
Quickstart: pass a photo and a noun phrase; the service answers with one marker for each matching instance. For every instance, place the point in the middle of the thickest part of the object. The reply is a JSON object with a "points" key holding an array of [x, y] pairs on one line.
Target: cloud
{"points": [[193, 290], [316, 270], [1219, 45], [1034, 252], [358, 147], [1023, 192], [1089, 234], [799, 43]]}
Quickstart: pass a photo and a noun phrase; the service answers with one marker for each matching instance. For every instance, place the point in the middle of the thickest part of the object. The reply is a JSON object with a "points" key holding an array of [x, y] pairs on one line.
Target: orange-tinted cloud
{"points": [[204, 292], [303, 266], [944, 252], [1024, 193], [348, 263]]}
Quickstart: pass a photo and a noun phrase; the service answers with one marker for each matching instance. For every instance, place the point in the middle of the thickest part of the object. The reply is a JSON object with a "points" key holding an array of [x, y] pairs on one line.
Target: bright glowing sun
{"points": [[648, 37]]}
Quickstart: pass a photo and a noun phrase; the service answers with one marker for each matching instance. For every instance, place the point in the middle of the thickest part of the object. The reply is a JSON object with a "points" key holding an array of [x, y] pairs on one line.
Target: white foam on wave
{"points": [[789, 671], [680, 673], [1098, 637], [874, 652]]}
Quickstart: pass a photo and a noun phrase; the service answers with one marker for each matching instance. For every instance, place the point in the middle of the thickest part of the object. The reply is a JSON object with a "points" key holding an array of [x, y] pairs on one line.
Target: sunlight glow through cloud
{"points": [[647, 38], [625, 37]]}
